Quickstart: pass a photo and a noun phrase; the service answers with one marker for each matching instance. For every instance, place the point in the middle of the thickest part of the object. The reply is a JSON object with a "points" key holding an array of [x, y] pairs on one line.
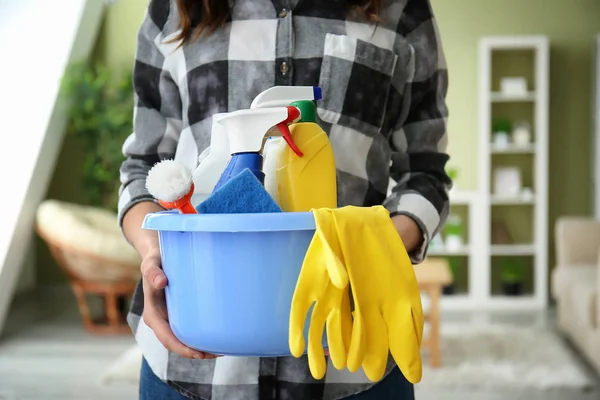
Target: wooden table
{"points": [[432, 275]]}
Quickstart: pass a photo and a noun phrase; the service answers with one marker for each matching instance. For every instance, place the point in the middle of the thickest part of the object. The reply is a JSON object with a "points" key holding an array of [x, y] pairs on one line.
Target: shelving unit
{"points": [[463, 200], [512, 149], [469, 205], [469, 202], [485, 254], [513, 227], [504, 98]]}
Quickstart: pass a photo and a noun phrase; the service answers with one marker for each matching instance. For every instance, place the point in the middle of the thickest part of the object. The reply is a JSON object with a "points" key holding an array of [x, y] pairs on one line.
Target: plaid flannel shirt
{"points": [[383, 108]]}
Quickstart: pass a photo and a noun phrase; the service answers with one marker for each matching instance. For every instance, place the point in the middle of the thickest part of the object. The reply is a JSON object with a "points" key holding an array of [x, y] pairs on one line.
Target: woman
{"points": [[384, 83]]}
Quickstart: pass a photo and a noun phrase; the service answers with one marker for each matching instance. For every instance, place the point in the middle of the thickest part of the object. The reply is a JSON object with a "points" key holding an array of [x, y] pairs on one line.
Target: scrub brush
{"points": [[170, 182]]}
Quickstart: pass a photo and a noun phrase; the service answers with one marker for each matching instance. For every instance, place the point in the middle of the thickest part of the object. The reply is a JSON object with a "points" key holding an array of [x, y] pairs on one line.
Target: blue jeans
{"points": [[393, 387]]}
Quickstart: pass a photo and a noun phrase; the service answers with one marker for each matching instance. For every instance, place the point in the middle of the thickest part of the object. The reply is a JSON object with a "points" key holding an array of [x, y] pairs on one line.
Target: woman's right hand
{"points": [[154, 279], [155, 307]]}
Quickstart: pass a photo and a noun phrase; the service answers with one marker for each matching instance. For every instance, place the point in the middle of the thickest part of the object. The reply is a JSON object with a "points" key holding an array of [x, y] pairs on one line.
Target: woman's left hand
{"points": [[409, 232]]}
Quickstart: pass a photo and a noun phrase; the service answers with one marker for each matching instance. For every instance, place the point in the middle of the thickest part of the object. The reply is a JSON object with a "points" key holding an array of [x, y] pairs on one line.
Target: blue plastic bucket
{"points": [[231, 278]]}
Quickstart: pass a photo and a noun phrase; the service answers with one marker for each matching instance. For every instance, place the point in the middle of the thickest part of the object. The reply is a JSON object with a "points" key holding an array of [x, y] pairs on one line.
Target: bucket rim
{"points": [[255, 222]]}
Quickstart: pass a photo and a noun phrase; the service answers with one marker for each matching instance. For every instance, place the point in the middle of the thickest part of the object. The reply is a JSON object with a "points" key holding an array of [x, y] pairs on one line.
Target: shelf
{"points": [[513, 250], [453, 302], [464, 302], [516, 42], [512, 149], [441, 252], [510, 200], [498, 97], [458, 197], [512, 303]]}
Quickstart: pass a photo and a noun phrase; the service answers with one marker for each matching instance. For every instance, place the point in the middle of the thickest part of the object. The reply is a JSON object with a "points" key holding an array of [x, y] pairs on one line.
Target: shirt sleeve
{"points": [[157, 110], [419, 141]]}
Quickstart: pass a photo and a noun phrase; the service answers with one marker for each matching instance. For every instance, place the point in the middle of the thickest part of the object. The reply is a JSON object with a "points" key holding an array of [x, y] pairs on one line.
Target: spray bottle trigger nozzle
{"points": [[293, 116]]}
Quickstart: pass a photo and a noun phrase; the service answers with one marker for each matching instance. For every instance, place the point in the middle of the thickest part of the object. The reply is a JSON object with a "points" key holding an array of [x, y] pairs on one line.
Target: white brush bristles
{"points": [[169, 180]]}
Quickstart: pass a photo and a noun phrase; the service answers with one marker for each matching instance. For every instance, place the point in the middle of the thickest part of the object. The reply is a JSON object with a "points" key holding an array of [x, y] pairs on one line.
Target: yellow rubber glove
{"points": [[323, 281], [388, 314]]}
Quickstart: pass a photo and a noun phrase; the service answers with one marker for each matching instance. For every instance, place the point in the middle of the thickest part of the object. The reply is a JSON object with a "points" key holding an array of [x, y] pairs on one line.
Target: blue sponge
{"points": [[241, 194]]}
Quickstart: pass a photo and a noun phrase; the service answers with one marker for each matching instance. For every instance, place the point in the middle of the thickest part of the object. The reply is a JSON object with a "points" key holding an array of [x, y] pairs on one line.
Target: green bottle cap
{"points": [[308, 110]]}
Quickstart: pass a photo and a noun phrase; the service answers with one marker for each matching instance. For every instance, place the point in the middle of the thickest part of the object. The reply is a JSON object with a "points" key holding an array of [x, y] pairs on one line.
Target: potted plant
{"points": [[453, 230], [99, 108], [451, 288], [99, 104], [512, 277], [501, 129], [453, 175]]}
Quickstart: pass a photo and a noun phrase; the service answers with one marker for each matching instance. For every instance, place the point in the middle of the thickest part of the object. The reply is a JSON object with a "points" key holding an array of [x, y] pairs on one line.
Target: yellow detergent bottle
{"points": [[308, 181]]}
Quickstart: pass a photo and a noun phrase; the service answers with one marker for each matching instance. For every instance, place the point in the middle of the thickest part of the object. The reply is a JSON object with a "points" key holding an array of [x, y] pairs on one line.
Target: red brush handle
{"points": [[183, 204]]}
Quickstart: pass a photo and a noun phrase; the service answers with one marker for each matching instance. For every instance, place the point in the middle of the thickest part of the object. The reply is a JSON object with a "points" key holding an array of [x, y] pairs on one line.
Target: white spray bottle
{"points": [[212, 162], [246, 131], [270, 151], [214, 159], [279, 96]]}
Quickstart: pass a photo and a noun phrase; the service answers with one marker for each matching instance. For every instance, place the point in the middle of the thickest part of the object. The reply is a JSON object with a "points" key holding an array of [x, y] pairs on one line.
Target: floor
{"points": [[520, 319], [46, 355]]}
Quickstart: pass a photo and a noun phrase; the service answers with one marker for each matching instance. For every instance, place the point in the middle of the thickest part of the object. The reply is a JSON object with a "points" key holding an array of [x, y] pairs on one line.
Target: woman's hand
{"points": [[155, 308], [409, 232], [154, 280]]}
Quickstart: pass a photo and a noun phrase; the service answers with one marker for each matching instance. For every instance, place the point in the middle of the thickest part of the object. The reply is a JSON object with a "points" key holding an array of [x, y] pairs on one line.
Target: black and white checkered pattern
{"points": [[383, 107]]}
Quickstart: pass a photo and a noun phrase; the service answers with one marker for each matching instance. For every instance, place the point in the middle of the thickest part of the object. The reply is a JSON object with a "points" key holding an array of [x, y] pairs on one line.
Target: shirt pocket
{"points": [[355, 78]]}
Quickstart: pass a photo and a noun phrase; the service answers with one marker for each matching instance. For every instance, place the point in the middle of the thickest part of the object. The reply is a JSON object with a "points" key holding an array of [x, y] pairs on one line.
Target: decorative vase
{"points": [[436, 243], [448, 289], [527, 194], [501, 128], [512, 288], [512, 277], [521, 135], [454, 234], [453, 175], [507, 181], [513, 86], [453, 243], [501, 139]]}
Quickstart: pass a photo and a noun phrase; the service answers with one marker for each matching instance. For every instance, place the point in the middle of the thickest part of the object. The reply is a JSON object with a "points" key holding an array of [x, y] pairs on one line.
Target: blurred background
{"points": [[511, 284]]}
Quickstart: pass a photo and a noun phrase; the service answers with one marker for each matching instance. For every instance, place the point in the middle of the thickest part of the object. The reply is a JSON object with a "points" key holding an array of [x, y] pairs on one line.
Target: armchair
{"points": [[576, 283]]}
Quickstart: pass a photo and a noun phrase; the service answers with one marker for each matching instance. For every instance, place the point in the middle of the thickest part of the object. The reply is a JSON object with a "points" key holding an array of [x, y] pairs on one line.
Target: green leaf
{"points": [[512, 270], [100, 109]]}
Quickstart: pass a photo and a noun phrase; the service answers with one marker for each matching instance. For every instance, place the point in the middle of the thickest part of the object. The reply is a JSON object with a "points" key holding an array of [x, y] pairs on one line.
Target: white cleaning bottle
{"points": [[270, 151], [212, 162]]}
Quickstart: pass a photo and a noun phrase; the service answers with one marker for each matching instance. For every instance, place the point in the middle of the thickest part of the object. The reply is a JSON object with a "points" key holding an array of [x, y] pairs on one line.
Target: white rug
{"points": [[493, 357], [125, 370], [474, 358]]}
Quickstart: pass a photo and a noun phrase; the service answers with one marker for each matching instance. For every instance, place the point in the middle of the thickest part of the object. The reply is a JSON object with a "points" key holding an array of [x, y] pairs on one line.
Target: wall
{"points": [[116, 47], [119, 33], [570, 25], [35, 119]]}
